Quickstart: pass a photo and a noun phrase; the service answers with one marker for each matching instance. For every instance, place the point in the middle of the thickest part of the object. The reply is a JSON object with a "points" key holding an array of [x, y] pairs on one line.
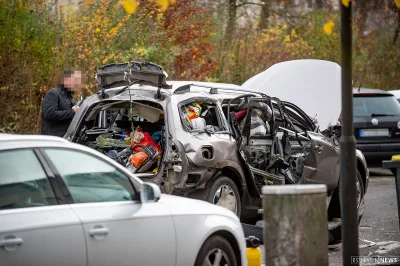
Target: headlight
{"points": [[398, 125]]}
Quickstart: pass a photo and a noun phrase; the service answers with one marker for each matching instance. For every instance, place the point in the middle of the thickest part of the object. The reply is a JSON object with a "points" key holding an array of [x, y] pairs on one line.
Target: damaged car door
{"points": [[205, 147], [322, 163], [263, 141], [278, 142]]}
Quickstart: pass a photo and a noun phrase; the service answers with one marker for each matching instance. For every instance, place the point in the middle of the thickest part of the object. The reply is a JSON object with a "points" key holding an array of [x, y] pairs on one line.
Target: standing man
{"points": [[58, 106]]}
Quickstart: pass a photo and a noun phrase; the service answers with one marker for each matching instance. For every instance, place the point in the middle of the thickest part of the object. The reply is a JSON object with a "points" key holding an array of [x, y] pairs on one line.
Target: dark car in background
{"points": [[376, 124]]}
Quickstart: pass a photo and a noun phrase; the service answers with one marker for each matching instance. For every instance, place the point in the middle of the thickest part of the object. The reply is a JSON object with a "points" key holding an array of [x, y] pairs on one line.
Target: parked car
{"points": [[376, 124], [208, 141], [396, 94], [66, 204]]}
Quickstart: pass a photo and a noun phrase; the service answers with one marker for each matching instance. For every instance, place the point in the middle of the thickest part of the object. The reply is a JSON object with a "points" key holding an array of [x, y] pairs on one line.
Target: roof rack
{"points": [[213, 90]]}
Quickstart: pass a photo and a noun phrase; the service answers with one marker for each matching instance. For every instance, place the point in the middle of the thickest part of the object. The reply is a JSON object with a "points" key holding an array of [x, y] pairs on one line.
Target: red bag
{"points": [[239, 115], [147, 141]]}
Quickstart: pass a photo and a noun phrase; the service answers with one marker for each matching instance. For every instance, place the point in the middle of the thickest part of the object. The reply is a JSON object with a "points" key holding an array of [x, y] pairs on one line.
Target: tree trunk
{"points": [[264, 15], [397, 31], [363, 19], [231, 25], [318, 4]]}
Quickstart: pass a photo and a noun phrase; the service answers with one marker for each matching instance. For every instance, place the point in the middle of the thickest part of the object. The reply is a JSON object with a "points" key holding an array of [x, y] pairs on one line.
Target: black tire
{"points": [[216, 242], [224, 181], [334, 210], [362, 191]]}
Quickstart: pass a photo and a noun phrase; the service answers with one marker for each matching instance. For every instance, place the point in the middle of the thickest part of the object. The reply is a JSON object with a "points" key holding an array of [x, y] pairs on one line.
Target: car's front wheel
{"points": [[334, 210], [224, 192], [216, 251]]}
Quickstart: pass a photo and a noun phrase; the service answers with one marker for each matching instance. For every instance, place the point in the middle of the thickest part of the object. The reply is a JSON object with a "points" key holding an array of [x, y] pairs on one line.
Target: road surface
{"points": [[379, 228]]}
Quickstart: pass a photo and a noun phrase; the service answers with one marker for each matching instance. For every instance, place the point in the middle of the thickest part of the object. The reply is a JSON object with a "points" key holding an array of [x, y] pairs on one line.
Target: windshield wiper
{"points": [[373, 115]]}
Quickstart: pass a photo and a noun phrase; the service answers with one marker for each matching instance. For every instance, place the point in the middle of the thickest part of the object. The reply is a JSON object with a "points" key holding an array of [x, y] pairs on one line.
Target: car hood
{"points": [[312, 85], [184, 206]]}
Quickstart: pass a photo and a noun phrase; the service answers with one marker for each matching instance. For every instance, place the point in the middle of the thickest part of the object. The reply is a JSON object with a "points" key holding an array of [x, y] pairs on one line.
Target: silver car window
{"points": [[23, 182], [89, 179]]}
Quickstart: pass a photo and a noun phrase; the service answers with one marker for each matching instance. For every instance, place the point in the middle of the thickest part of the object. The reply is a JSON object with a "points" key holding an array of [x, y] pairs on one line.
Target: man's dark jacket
{"points": [[57, 112]]}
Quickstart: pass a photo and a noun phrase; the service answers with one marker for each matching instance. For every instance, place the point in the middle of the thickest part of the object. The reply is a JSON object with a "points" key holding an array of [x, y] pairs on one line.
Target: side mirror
{"points": [[149, 192]]}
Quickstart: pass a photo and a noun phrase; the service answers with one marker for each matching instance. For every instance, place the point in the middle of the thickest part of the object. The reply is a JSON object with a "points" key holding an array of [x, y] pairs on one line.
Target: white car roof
{"points": [[396, 93], [20, 141]]}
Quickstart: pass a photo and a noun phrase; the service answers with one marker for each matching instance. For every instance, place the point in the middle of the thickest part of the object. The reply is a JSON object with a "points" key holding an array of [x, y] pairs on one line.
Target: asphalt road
{"points": [[379, 232]]}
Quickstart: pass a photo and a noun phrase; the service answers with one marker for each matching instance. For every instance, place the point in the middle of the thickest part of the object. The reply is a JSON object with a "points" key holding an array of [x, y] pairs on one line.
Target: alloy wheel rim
{"points": [[216, 257], [358, 193], [225, 196]]}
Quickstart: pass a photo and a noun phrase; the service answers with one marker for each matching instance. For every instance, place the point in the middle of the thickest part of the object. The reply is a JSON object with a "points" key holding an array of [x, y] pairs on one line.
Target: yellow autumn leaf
{"points": [[328, 27], [141, 51], [89, 2], [346, 3], [397, 2], [164, 4], [130, 6], [97, 29]]}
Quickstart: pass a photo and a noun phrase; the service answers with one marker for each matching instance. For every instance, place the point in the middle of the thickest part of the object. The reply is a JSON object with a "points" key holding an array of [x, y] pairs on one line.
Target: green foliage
{"points": [[26, 59]]}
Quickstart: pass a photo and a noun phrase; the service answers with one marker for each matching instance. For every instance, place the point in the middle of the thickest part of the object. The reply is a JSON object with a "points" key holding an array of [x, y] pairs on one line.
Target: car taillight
{"points": [[339, 122]]}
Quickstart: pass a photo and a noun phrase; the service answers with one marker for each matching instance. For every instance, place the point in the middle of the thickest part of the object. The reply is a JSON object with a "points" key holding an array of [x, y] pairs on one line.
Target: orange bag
{"points": [[138, 159]]}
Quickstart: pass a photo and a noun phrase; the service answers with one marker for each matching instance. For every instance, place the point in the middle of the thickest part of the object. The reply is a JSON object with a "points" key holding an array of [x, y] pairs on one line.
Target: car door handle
{"points": [[11, 244], [98, 231]]}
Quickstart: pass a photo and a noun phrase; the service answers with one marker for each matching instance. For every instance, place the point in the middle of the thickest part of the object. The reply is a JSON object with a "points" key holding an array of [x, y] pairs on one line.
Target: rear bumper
{"points": [[377, 152]]}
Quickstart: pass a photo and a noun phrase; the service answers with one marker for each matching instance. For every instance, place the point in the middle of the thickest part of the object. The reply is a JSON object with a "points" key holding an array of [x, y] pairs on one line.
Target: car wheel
{"points": [[334, 210], [360, 195], [216, 251], [224, 192]]}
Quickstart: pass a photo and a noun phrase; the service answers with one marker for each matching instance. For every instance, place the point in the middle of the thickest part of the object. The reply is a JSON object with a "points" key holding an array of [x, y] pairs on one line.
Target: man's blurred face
{"points": [[74, 81]]}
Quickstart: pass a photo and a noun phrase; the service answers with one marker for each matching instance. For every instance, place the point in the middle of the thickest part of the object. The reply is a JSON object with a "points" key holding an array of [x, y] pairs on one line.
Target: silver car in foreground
{"points": [[66, 204]]}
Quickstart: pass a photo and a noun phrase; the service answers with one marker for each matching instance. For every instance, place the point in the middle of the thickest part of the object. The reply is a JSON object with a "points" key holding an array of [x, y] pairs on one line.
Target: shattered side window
{"points": [[201, 116]]}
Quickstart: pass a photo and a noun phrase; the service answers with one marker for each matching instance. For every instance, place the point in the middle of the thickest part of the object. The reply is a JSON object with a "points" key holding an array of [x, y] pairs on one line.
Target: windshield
{"points": [[375, 105]]}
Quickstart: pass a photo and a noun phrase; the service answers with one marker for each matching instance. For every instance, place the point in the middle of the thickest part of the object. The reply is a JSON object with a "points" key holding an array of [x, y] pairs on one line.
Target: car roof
{"points": [[26, 141], [369, 90], [6, 137], [226, 88], [18, 141], [396, 93]]}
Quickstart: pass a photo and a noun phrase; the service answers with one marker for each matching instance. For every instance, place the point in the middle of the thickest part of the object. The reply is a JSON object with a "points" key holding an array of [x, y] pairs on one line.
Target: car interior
{"points": [[112, 128], [201, 115]]}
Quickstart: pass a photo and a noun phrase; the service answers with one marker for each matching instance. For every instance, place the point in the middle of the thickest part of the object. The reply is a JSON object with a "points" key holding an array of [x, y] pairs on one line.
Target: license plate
{"points": [[376, 132]]}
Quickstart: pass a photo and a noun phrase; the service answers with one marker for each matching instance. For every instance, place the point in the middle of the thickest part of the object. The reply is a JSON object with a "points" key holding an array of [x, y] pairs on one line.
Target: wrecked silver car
{"points": [[211, 141]]}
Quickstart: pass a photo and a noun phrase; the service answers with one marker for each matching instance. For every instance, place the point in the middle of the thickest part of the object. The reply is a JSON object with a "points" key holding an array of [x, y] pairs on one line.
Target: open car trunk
{"points": [[130, 132]]}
